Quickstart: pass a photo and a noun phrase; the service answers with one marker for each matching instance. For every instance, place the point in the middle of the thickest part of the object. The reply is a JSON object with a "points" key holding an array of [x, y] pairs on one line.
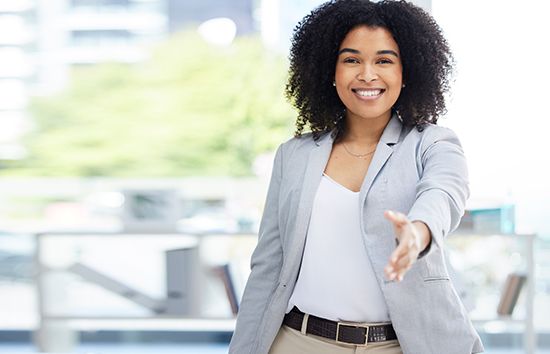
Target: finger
{"points": [[399, 252], [398, 219], [402, 267], [397, 262], [399, 265], [403, 262], [389, 273], [400, 275], [392, 216]]}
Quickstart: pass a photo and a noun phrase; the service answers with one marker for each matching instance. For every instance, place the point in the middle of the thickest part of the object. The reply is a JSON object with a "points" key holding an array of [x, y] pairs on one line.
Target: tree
{"points": [[192, 109]]}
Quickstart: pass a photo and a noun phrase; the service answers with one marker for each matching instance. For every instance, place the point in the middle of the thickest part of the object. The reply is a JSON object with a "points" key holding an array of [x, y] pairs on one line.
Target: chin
{"points": [[373, 115]]}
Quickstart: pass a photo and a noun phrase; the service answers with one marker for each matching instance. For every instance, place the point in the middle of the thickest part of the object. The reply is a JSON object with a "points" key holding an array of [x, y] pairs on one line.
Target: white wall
{"points": [[498, 105]]}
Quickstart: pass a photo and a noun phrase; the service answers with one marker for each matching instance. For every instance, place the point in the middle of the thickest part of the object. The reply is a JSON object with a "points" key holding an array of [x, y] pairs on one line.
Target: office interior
{"points": [[127, 218]]}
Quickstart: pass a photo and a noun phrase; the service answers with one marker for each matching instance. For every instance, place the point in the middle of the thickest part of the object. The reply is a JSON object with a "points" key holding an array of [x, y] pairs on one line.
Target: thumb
{"points": [[397, 219]]}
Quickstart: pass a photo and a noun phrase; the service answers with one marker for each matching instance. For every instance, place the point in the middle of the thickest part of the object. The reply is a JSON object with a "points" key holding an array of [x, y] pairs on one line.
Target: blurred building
{"points": [[185, 13], [40, 40], [17, 71], [83, 32]]}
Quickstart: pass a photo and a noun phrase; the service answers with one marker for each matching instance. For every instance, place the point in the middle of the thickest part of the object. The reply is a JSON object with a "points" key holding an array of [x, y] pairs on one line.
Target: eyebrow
{"points": [[380, 52]]}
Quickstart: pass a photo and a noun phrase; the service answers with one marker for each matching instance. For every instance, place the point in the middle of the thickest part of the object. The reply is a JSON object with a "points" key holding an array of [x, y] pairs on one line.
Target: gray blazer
{"points": [[421, 174]]}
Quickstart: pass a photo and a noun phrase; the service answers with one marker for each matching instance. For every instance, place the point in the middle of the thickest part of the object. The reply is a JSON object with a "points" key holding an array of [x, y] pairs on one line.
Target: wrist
{"points": [[424, 234]]}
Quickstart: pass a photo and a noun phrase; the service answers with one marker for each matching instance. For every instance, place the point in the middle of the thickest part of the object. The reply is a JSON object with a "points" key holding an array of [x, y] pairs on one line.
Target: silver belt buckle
{"points": [[352, 324]]}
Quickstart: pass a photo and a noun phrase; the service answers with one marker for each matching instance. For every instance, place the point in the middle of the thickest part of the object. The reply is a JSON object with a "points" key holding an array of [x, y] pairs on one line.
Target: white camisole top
{"points": [[336, 279]]}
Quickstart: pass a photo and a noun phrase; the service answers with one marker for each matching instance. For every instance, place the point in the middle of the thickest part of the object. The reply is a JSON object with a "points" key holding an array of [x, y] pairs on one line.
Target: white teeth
{"points": [[368, 93]]}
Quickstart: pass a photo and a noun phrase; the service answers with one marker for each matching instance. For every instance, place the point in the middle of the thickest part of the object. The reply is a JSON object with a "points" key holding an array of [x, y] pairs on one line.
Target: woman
{"points": [[350, 254]]}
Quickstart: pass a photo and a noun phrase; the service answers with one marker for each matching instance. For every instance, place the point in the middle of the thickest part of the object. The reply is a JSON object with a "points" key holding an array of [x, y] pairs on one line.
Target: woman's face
{"points": [[368, 73]]}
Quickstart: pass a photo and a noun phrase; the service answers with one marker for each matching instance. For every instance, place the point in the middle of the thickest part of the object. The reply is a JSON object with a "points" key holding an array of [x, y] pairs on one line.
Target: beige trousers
{"points": [[291, 341]]}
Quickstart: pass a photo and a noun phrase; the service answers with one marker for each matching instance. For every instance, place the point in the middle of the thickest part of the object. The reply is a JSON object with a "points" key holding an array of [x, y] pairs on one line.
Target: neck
{"points": [[365, 131]]}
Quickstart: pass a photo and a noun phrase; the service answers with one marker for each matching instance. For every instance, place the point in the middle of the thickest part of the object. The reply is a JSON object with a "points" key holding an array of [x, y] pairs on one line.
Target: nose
{"points": [[367, 73]]}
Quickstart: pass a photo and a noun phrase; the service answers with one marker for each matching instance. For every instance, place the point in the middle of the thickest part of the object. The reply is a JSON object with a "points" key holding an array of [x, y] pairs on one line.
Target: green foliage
{"points": [[192, 109]]}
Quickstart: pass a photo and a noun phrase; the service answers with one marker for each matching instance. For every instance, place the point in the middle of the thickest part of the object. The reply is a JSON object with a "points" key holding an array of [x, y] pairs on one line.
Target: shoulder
{"points": [[437, 132], [301, 144], [432, 134]]}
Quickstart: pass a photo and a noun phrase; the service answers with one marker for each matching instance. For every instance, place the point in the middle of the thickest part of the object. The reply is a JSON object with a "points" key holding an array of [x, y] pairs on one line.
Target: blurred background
{"points": [[136, 143]]}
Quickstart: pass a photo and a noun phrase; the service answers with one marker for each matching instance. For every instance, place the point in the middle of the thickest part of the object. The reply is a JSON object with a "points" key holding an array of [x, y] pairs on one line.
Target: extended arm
{"points": [[441, 195]]}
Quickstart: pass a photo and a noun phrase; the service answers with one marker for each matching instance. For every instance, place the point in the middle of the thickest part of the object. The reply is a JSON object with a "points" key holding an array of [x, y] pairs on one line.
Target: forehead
{"points": [[366, 39]]}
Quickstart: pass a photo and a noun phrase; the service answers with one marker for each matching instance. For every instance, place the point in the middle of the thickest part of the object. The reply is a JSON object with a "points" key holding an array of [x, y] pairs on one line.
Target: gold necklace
{"points": [[359, 156]]}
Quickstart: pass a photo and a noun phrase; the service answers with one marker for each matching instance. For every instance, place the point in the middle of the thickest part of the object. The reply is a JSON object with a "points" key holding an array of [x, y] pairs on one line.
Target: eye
{"points": [[384, 61], [351, 60]]}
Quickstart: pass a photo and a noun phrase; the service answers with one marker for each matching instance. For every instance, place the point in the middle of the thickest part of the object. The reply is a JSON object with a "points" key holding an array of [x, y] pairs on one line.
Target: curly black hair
{"points": [[426, 58]]}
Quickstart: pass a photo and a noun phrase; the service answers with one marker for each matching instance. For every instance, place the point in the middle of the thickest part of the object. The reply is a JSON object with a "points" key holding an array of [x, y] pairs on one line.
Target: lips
{"points": [[368, 93]]}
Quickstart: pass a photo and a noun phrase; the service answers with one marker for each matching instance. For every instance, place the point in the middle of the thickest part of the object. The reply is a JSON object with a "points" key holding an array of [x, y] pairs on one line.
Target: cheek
{"points": [[342, 76], [396, 83], [340, 90], [394, 95], [397, 77], [342, 81]]}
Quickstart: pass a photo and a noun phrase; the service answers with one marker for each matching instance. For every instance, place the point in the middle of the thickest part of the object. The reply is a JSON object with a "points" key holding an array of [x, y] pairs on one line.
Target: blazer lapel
{"points": [[384, 149]]}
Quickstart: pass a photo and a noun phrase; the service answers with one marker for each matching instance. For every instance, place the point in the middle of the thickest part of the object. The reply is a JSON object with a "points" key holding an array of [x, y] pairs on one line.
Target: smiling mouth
{"points": [[369, 92]]}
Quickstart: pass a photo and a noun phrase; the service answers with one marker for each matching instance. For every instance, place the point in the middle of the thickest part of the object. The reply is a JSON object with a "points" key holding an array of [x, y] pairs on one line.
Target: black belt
{"points": [[345, 332]]}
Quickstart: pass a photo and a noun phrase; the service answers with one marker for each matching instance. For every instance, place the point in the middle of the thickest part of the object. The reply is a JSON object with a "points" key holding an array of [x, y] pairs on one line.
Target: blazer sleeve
{"points": [[266, 263], [442, 190]]}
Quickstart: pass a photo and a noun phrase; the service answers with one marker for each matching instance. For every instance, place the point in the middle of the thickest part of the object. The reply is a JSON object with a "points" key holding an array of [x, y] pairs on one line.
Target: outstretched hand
{"points": [[412, 238]]}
